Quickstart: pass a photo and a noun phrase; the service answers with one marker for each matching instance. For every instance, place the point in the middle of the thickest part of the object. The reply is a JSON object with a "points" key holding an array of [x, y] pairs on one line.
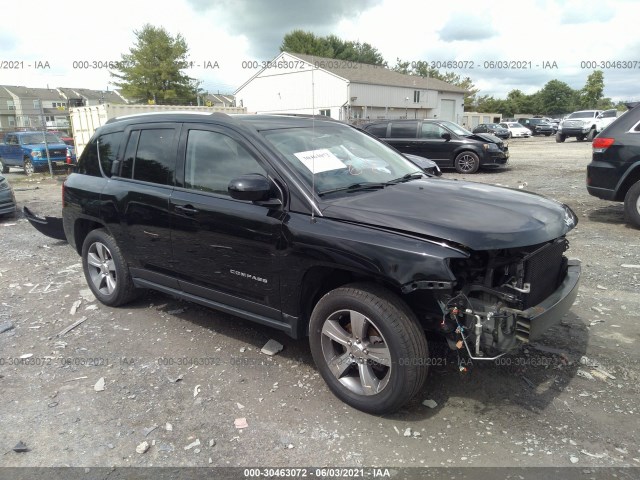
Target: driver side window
{"points": [[432, 131], [214, 159]]}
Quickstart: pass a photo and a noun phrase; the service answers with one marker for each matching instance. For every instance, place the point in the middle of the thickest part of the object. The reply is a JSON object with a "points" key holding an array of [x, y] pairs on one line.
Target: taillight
{"points": [[601, 144]]}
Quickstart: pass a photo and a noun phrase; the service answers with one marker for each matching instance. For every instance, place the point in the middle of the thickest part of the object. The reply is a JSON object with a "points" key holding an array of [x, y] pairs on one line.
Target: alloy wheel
{"points": [[356, 352], [102, 269]]}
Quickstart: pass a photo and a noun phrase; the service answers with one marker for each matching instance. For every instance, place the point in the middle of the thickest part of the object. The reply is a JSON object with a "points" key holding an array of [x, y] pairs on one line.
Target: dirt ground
{"points": [[177, 375]]}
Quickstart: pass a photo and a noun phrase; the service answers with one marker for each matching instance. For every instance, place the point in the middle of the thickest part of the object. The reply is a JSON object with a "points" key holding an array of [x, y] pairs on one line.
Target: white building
{"points": [[348, 91]]}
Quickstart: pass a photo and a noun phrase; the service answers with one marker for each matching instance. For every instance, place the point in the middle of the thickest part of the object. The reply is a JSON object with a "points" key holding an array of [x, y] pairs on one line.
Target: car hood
{"points": [[484, 137], [35, 146], [475, 215]]}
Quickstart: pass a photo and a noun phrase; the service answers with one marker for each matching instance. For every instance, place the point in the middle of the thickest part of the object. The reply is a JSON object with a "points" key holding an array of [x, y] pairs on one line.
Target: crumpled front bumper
{"points": [[534, 321]]}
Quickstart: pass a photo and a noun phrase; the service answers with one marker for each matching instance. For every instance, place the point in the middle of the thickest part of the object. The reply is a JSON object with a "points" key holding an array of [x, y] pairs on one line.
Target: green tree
{"points": [[152, 71], [556, 97], [593, 90], [331, 46]]}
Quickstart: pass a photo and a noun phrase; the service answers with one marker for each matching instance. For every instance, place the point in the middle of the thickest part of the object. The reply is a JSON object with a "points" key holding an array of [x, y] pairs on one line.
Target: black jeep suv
{"points": [[614, 171], [316, 228]]}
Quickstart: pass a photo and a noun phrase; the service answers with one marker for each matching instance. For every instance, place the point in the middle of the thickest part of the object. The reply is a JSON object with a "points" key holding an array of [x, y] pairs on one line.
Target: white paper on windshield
{"points": [[321, 160]]}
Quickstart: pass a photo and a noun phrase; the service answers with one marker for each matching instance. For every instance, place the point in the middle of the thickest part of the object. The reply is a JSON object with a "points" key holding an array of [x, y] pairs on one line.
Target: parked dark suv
{"points": [[614, 171], [538, 126], [316, 228], [447, 144]]}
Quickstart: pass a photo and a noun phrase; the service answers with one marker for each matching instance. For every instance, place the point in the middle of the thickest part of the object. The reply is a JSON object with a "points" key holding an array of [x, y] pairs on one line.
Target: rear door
{"points": [[136, 203], [225, 250]]}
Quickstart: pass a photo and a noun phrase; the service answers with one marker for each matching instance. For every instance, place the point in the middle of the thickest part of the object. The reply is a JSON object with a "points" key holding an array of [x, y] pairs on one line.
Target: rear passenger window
{"points": [[214, 159], [403, 130], [378, 130], [150, 156], [88, 162]]}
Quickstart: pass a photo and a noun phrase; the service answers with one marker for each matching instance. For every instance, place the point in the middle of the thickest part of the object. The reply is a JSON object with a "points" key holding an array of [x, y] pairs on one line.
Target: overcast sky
{"points": [[536, 33]]}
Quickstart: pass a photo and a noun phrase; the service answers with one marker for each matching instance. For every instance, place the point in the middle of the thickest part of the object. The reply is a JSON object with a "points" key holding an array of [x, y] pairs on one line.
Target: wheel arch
{"points": [[81, 228], [631, 176], [319, 280]]}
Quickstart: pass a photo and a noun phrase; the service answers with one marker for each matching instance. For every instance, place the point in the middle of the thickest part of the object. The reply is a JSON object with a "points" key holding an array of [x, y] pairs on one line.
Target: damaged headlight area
{"points": [[502, 297]]}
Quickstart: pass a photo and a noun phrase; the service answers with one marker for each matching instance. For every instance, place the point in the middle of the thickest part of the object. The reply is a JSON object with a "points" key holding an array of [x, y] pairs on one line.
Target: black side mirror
{"points": [[446, 136], [252, 187]]}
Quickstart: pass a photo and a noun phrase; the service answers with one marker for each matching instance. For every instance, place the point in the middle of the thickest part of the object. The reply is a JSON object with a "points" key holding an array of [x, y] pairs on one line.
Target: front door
{"points": [[224, 250]]}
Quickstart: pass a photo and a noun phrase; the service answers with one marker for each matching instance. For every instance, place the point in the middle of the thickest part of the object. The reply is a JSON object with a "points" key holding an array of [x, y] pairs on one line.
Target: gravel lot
{"points": [[177, 375]]}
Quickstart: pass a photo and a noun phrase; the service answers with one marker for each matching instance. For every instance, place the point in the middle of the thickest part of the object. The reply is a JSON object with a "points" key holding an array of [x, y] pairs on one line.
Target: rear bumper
{"points": [[603, 193], [49, 226], [533, 322]]}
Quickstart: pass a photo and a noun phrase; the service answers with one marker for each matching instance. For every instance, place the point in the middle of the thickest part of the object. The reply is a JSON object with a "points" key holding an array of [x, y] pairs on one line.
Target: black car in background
{"points": [[493, 129], [444, 142], [7, 199], [614, 171], [538, 126]]}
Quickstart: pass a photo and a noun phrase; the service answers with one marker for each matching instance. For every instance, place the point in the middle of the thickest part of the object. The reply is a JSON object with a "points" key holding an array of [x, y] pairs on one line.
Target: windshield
{"points": [[581, 115], [341, 157], [455, 128], [33, 138]]}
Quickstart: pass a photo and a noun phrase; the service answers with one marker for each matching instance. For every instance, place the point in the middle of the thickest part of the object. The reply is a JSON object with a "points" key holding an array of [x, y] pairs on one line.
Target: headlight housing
{"points": [[36, 154]]}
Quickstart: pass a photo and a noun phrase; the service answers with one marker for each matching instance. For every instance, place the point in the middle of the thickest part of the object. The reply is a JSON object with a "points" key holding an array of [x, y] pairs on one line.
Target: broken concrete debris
{"points": [[430, 403], [143, 447], [272, 347], [240, 423], [74, 307], [99, 386], [195, 443]]}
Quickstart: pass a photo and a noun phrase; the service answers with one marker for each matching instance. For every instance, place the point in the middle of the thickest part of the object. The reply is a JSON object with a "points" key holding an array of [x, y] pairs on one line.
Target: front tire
{"points": [[28, 166], [560, 138], [368, 347], [467, 162], [106, 270], [580, 138], [591, 135], [632, 204]]}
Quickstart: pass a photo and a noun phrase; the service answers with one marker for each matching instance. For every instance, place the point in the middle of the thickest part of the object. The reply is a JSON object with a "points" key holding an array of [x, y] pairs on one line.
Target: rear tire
{"points": [[560, 138], [467, 162], [632, 204], [106, 270], [3, 167], [547, 134], [368, 347]]}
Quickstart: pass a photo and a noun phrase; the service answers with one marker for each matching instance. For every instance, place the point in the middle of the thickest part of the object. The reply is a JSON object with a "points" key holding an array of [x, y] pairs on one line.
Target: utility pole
{"points": [[43, 120]]}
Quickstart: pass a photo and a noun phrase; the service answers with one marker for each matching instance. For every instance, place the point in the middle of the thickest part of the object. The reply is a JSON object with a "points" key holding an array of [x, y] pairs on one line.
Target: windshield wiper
{"points": [[355, 187], [406, 178]]}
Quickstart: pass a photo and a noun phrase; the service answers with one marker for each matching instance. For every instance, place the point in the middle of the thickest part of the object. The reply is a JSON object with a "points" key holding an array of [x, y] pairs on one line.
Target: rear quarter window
{"points": [[379, 130], [96, 161]]}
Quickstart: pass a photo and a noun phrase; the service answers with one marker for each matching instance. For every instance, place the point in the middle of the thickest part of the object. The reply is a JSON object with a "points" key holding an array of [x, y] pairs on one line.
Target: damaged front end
{"points": [[502, 297]]}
